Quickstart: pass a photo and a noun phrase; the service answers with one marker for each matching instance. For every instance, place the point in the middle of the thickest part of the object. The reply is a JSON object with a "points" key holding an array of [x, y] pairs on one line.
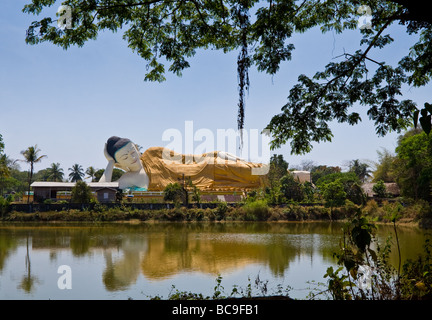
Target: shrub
{"points": [[221, 210], [380, 189], [4, 205], [256, 210], [174, 192]]}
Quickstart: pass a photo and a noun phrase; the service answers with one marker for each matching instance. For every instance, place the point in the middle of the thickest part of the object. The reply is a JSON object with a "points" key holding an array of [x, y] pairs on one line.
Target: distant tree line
{"points": [[410, 167], [15, 181]]}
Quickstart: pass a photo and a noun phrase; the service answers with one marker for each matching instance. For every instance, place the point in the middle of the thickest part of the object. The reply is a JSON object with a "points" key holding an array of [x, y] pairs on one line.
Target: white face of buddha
{"points": [[128, 158]]}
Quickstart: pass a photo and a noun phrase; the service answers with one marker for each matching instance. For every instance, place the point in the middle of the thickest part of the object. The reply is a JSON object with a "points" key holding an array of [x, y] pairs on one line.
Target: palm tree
{"points": [[360, 169], [77, 173], [91, 172], [55, 173], [31, 156]]}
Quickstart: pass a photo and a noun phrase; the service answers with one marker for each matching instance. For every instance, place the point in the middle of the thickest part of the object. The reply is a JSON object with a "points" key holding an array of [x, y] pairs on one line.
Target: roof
{"points": [[51, 184], [391, 188]]}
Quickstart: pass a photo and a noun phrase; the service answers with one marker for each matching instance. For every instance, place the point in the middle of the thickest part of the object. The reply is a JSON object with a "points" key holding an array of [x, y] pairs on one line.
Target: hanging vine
{"points": [[243, 64]]}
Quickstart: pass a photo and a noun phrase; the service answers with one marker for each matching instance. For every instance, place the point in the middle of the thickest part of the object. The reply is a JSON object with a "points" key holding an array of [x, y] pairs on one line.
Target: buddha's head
{"points": [[124, 153]]}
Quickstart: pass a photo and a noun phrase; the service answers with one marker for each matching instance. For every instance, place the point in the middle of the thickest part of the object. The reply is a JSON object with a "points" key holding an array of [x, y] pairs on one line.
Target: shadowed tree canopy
{"points": [[169, 32]]}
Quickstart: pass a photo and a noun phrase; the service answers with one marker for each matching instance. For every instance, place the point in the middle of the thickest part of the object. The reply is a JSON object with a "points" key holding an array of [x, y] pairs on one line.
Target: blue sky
{"points": [[69, 102]]}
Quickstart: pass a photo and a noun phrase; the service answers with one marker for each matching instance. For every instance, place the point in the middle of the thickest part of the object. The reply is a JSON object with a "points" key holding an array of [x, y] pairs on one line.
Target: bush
{"points": [[295, 213], [175, 192], [4, 205], [380, 189], [256, 210], [221, 210]]}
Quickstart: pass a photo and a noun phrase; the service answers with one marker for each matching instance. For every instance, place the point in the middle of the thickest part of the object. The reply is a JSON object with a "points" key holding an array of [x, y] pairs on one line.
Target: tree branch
{"points": [[349, 72], [130, 4]]}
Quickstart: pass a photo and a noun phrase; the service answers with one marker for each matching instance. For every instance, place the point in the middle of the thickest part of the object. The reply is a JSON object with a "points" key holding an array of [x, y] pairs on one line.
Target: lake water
{"points": [[142, 260]]}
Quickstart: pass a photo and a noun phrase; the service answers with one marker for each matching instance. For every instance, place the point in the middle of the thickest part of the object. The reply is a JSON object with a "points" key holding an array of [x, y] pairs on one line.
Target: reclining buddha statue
{"points": [[157, 167]]}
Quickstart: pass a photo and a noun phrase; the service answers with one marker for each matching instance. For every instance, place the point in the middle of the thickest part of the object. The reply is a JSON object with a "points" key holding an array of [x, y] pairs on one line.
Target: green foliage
{"points": [[380, 189], [368, 272], [416, 280], [174, 192], [1, 144], [172, 31], [360, 169], [221, 210], [350, 183], [55, 173], [291, 189], [196, 194], [338, 284], [4, 205], [116, 174], [334, 194], [278, 169], [81, 193], [383, 168], [76, 173], [31, 156], [258, 288], [318, 172], [257, 210], [413, 165]]}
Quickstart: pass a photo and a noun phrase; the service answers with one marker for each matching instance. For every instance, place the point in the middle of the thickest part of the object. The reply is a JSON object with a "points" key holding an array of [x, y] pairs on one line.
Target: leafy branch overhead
{"points": [[169, 32]]}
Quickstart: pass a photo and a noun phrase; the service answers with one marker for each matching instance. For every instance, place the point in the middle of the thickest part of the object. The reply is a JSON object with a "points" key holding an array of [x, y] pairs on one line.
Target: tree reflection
{"points": [[28, 281], [123, 271], [7, 245]]}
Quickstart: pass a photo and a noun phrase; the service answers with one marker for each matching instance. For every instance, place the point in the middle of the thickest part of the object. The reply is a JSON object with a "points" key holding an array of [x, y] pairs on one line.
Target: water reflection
{"points": [[29, 280], [125, 252]]}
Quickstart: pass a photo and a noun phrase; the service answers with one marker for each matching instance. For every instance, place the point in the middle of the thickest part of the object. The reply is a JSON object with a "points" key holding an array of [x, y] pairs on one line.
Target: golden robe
{"points": [[206, 171]]}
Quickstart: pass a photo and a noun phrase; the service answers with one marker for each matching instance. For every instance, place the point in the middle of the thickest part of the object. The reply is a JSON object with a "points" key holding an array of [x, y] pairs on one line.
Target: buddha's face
{"points": [[128, 158]]}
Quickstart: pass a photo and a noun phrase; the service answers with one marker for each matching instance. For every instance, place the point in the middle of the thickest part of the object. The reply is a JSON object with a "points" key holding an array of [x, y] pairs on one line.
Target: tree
{"points": [[278, 169], [31, 156], [117, 173], [321, 171], [334, 194], [380, 189], [81, 193], [173, 31], [55, 173], [6, 165], [77, 173], [383, 168], [360, 169], [196, 194], [413, 165], [91, 173], [174, 192], [291, 189], [1, 144], [307, 165], [350, 182]]}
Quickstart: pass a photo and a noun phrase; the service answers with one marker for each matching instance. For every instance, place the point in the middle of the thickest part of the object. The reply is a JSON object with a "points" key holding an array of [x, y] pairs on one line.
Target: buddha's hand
{"points": [[107, 155]]}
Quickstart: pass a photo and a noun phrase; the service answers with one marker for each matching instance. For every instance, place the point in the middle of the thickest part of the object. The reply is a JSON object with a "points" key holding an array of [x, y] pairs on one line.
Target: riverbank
{"points": [[415, 215]]}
